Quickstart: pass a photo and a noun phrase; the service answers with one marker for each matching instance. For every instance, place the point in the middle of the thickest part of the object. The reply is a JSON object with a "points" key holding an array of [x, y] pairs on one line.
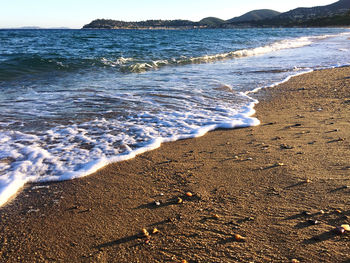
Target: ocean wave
{"points": [[115, 63], [19, 65], [14, 66], [276, 46]]}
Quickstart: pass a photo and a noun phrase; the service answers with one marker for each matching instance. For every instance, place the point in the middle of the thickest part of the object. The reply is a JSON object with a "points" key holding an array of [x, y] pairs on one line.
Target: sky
{"points": [[76, 13]]}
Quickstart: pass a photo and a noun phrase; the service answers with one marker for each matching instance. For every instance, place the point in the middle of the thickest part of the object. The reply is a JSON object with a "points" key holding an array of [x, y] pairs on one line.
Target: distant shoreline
{"points": [[169, 28]]}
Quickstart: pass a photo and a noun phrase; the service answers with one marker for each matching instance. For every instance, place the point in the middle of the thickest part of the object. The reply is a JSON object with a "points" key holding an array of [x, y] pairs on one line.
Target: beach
{"points": [[271, 193]]}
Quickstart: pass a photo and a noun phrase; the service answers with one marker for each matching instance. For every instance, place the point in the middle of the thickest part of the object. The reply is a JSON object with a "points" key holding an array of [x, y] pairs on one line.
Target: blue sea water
{"points": [[71, 101]]}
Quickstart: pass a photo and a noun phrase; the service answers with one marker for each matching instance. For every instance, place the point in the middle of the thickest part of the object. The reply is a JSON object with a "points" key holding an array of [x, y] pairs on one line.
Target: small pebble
{"points": [[189, 194], [307, 181], [145, 232], [184, 261], [295, 260], [346, 227], [155, 231], [339, 230], [239, 238], [285, 146], [313, 222], [322, 212], [216, 216], [157, 203], [306, 213], [179, 200], [338, 211]]}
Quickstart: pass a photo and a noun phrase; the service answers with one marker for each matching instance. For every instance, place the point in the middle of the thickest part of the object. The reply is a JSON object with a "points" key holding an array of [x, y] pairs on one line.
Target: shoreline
{"points": [[95, 166], [255, 182]]}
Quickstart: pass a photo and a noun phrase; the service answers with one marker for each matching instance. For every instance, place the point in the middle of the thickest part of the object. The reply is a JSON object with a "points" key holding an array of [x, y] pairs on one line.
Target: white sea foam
{"points": [[67, 159], [278, 83], [276, 46], [118, 62]]}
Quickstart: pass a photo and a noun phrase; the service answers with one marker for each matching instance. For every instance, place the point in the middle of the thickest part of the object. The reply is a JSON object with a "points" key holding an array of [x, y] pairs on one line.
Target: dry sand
{"points": [[267, 184]]}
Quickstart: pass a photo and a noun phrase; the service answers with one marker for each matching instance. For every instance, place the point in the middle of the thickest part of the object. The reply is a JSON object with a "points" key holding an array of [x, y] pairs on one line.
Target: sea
{"points": [[73, 101]]}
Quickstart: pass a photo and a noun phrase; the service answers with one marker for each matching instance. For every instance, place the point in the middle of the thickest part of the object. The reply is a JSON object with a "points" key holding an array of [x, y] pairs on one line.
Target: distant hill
{"points": [[255, 15], [340, 7], [336, 20], [115, 24], [302, 16], [211, 21], [336, 14]]}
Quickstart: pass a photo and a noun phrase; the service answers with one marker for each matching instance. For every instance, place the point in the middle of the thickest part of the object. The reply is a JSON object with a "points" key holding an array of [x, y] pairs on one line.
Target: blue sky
{"points": [[76, 13]]}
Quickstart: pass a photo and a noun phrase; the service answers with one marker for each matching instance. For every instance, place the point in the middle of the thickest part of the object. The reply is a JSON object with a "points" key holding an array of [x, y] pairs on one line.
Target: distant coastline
{"points": [[35, 28], [333, 15]]}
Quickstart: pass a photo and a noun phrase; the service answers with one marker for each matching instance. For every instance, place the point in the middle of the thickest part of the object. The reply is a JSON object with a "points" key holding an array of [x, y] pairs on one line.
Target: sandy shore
{"points": [[282, 186]]}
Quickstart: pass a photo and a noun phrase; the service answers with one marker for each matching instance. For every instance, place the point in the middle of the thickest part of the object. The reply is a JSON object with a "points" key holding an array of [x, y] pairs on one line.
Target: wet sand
{"points": [[272, 193]]}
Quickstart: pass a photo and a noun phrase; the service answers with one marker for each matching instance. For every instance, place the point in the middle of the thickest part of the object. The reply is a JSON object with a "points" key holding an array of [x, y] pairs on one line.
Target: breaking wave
{"points": [[19, 65]]}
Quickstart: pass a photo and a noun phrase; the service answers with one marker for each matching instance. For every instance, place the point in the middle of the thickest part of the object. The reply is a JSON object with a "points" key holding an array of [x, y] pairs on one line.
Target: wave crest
{"points": [[280, 45], [19, 65]]}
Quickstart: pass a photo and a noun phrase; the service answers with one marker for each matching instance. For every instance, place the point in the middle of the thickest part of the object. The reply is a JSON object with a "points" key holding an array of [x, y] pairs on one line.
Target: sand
{"points": [[271, 193]]}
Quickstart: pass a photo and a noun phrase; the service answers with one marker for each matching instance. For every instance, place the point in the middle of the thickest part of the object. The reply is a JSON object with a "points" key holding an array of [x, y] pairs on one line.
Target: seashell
{"points": [[279, 164], [184, 261], [322, 212], [155, 231], [189, 194], [339, 230], [346, 227], [145, 232], [239, 238], [157, 203], [179, 200], [295, 260], [338, 211], [307, 181]]}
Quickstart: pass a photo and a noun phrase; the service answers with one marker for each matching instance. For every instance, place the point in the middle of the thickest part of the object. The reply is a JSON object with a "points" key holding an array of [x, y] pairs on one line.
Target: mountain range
{"points": [[336, 14]]}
